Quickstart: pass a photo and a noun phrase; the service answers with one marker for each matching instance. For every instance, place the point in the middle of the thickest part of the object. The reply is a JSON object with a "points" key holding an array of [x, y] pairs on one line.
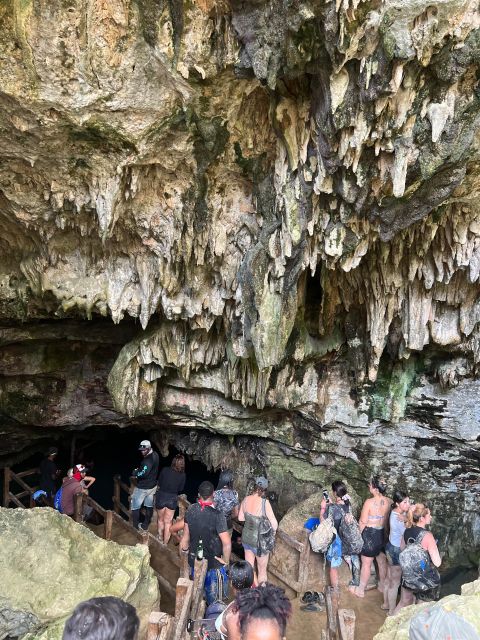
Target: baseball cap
{"points": [[145, 444], [80, 467], [261, 482]]}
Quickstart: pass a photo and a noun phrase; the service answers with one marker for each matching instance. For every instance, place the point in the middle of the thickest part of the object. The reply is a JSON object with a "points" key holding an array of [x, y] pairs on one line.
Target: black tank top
{"points": [[412, 533]]}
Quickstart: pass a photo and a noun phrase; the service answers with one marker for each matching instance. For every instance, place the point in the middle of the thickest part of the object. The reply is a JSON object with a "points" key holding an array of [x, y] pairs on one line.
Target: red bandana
{"points": [[205, 503]]}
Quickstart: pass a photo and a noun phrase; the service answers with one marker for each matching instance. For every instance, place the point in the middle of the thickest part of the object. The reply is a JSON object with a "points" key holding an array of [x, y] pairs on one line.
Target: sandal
{"points": [[313, 606], [308, 597]]}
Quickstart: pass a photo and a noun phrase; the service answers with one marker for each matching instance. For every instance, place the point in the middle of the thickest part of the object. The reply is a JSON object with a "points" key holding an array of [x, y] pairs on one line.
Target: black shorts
{"points": [[165, 500], [372, 542]]}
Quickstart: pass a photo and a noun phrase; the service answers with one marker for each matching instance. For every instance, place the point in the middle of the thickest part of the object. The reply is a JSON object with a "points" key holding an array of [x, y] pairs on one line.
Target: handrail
{"points": [[9, 477]]}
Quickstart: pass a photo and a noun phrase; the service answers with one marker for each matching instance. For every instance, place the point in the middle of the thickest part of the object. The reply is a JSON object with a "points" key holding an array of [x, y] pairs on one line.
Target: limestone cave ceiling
{"points": [[284, 193]]}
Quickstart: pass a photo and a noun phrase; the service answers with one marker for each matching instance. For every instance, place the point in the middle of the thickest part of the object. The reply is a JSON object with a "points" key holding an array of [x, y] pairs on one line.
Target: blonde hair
{"points": [[417, 512]]}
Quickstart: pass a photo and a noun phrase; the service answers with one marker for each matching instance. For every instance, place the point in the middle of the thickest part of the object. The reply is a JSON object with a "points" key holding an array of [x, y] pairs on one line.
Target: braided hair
{"points": [[267, 602]]}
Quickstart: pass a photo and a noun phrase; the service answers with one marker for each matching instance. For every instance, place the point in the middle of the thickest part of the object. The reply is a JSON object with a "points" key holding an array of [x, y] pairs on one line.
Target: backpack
{"points": [[57, 501], [266, 534], [349, 532], [323, 535], [418, 573]]}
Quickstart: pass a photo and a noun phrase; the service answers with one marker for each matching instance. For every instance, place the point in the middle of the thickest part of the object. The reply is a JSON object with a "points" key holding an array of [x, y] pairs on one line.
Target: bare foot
{"points": [[385, 607], [359, 593]]}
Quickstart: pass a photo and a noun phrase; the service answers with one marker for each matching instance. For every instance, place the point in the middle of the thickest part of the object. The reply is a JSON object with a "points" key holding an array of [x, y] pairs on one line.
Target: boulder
{"points": [[466, 607], [49, 564]]}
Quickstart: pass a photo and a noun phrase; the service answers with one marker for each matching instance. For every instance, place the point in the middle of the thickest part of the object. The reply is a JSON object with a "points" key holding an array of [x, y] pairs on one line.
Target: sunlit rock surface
{"points": [[49, 564], [275, 208], [466, 606]]}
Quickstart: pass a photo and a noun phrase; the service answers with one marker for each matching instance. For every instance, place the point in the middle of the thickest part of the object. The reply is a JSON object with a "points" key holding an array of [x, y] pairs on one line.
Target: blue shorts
{"points": [[393, 554], [142, 496]]}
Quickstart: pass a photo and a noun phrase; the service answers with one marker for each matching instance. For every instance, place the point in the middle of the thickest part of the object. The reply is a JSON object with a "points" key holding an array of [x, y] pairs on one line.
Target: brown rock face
{"points": [[286, 197]]}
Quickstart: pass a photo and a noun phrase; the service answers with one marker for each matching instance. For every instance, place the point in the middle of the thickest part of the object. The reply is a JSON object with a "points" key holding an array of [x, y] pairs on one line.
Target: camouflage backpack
{"points": [[418, 572]]}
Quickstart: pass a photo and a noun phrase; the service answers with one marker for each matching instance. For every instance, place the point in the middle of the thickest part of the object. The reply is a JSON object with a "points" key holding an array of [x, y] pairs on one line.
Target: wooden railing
{"points": [[340, 622], [302, 547], [8, 496]]}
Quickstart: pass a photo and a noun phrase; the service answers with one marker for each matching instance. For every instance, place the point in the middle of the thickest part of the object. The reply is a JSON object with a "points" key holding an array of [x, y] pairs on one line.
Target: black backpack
{"points": [[418, 572]]}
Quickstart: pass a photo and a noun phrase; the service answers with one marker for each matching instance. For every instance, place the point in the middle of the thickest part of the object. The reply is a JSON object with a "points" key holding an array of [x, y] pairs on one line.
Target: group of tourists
{"points": [[391, 531], [76, 481], [255, 613], [207, 525]]}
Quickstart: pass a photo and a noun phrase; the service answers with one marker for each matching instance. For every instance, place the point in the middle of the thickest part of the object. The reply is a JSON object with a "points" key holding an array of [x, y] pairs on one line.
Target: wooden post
{"points": [[133, 484], [184, 568], [108, 522], [116, 493], [331, 600], [6, 486], [78, 513], [346, 624], [180, 595], [157, 622], [303, 562]]}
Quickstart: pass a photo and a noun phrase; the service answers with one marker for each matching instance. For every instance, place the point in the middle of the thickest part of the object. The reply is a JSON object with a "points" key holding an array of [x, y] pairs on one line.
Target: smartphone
{"points": [[325, 495]]}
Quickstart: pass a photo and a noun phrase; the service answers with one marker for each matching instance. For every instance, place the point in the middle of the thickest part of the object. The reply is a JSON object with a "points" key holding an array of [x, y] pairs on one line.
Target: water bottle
{"points": [[200, 550]]}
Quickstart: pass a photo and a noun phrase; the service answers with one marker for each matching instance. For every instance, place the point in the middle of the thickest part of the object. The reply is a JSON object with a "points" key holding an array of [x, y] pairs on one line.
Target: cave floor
{"points": [[369, 616]]}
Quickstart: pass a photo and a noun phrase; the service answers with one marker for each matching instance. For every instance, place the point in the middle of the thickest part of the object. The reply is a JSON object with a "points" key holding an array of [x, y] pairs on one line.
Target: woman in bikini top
{"points": [[372, 522]]}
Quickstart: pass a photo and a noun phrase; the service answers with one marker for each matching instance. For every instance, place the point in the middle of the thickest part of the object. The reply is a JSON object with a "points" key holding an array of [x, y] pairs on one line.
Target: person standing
{"points": [[205, 535], [374, 514], [397, 519], [337, 510], [252, 509], [171, 483], [418, 518], [226, 498], [146, 475], [49, 473], [70, 488]]}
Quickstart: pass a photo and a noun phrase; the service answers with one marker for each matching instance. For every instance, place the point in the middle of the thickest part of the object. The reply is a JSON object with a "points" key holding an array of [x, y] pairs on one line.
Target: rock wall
{"points": [[285, 194]]}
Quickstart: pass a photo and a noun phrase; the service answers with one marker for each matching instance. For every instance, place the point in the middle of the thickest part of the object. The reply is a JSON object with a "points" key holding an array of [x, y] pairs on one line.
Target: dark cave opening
{"points": [[108, 451], [313, 302]]}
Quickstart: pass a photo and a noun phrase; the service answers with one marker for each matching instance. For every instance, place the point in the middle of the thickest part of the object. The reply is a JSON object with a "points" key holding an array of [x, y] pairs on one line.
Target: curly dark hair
{"points": [[105, 618], [267, 602]]}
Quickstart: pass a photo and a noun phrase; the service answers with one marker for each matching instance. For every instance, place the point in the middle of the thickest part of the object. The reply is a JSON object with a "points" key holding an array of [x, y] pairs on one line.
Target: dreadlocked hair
{"points": [[267, 602]]}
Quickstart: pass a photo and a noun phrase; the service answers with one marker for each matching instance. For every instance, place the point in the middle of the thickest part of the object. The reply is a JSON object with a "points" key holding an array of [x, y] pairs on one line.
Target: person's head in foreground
{"points": [[107, 618], [263, 613]]}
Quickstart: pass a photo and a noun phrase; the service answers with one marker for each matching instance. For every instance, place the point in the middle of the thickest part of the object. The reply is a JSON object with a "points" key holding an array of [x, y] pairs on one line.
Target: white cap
{"points": [[145, 444], [80, 467]]}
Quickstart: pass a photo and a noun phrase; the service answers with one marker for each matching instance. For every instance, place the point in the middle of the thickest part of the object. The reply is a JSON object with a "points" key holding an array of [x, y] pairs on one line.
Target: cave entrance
{"points": [[108, 451]]}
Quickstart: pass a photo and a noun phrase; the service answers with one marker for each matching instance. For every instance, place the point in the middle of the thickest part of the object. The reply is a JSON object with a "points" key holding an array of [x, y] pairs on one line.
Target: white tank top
{"points": [[397, 528]]}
